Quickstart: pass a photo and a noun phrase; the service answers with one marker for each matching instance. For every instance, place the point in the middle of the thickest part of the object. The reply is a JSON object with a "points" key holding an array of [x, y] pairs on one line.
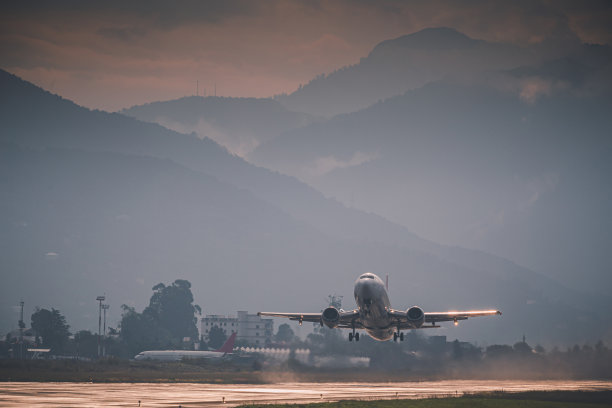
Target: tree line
{"points": [[168, 322]]}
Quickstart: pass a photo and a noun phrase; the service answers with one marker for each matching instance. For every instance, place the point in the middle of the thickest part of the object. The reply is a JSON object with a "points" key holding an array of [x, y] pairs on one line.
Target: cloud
{"points": [[121, 33], [326, 164], [162, 14], [159, 49], [532, 88], [239, 143]]}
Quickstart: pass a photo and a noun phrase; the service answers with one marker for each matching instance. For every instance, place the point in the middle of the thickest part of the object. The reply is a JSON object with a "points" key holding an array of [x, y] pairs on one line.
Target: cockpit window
{"points": [[366, 277]]}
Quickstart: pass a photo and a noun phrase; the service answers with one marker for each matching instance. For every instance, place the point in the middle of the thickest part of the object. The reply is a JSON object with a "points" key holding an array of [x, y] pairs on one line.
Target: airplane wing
{"points": [[301, 317], [454, 316], [347, 319], [402, 320]]}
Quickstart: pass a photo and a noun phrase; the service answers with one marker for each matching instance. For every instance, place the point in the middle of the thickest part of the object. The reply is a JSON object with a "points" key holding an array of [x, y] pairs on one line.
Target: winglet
{"points": [[228, 346]]}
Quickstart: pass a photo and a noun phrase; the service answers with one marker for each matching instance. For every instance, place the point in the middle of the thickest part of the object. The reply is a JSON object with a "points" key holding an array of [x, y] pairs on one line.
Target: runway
{"points": [[210, 395]]}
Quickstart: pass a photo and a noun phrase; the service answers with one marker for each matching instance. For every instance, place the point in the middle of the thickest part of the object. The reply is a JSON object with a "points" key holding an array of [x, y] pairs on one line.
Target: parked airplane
{"points": [[177, 355], [375, 315]]}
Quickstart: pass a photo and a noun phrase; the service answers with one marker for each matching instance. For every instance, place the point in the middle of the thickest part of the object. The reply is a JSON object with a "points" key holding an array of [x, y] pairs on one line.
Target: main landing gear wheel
{"points": [[395, 336], [350, 336], [401, 336], [356, 336]]}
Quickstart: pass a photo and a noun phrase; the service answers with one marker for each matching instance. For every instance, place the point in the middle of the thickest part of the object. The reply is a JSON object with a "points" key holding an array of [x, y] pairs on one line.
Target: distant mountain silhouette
{"points": [[96, 202], [515, 163], [239, 124], [408, 62], [441, 38]]}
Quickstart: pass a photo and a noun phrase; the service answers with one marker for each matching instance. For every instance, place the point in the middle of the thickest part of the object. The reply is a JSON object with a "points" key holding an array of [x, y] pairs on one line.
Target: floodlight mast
{"points": [[105, 308], [100, 299], [21, 327]]}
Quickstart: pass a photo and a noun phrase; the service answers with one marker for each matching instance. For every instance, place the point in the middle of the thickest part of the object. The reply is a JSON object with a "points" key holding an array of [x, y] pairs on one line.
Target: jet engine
{"points": [[416, 317], [330, 317]]}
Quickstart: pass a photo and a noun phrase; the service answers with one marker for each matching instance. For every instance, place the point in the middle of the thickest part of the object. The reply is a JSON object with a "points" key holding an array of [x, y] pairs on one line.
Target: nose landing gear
{"points": [[398, 333], [354, 335]]}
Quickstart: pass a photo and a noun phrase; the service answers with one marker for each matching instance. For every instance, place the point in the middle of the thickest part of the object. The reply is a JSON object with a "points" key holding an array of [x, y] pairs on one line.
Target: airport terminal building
{"points": [[250, 328]]}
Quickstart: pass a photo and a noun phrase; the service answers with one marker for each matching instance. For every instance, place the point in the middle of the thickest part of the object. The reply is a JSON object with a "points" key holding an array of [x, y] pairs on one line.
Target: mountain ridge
{"points": [[404, 63], [238, 124], [429, 38], [341, 243]]}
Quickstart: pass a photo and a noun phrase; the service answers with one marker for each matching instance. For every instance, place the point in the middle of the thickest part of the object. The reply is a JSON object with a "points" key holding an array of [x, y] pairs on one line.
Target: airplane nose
{"points": [[363, 289]]}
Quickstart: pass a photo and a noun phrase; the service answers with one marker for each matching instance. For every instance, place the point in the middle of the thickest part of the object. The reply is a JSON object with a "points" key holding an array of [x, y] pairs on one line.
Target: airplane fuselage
{"points": [[177, 355], [373, 303]]}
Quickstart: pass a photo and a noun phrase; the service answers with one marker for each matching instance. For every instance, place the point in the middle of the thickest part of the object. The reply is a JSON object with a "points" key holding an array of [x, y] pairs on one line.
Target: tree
{"points": [[168, 319], [141, 331], [172, 307], [539, 349], [86, 344], [216, 337], [51, 326], [499, 350], [522, 348], [457, 351], [285, 333]]}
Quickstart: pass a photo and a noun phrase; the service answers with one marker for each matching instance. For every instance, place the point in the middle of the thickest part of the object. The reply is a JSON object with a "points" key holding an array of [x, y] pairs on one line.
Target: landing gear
{"points": [[356, 336], [353, 335], [398, 333], [350, 336]]}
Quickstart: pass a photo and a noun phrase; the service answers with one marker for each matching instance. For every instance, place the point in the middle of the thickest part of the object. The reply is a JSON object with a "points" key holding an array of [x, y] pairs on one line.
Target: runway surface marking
{"points": [[213, 395]]}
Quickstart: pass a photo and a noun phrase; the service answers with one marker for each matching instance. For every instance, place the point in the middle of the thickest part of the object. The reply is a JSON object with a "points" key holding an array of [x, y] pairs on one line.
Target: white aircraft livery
{"points": [[178, 355], [375, 315]]}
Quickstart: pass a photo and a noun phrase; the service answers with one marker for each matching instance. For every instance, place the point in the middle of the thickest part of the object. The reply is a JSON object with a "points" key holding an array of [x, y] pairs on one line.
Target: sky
{"points": [[114, 54]]}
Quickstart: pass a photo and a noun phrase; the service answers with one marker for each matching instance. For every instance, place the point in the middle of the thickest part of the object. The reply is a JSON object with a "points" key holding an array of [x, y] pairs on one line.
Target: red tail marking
{"points": [[228, 346]]}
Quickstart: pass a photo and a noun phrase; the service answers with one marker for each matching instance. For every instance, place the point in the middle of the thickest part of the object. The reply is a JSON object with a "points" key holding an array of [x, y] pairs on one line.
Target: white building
{"points": [[250, 328]]}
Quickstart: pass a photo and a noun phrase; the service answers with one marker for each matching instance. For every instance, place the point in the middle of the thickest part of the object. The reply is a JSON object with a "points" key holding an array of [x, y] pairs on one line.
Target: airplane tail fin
{"points": [[228, 346]]}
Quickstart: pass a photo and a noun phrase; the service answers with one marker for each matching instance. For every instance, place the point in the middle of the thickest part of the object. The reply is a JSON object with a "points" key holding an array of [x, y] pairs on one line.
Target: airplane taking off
{"points": [[178, 355], [375, 315]]}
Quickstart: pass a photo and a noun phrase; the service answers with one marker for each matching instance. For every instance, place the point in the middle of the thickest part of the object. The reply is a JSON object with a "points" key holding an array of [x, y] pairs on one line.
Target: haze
{"points": [[270, 152]]}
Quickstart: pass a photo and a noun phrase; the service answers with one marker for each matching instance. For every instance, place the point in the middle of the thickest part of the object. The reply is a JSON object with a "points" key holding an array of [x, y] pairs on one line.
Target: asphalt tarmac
{"points": [[210, 395]]}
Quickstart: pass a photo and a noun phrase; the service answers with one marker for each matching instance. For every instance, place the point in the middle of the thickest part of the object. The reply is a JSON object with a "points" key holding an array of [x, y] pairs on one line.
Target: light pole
{"points": [[100, 299], [105, 308], [21, 327]]}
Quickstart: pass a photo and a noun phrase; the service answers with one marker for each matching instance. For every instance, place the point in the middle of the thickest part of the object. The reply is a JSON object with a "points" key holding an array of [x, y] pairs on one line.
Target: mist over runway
{"points": [[212, 395]]}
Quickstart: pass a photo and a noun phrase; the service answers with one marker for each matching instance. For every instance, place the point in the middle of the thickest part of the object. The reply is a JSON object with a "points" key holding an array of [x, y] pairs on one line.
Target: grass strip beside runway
{"points": [[532, 399]]}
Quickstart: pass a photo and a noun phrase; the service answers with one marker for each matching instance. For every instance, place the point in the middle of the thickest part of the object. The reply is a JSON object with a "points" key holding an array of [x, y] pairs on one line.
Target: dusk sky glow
{"points": [[110, 55]]}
